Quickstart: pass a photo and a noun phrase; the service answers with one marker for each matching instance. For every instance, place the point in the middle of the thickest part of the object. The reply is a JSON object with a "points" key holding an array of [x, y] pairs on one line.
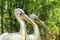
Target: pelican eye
{"points": [[21, 13], [35, 18]]}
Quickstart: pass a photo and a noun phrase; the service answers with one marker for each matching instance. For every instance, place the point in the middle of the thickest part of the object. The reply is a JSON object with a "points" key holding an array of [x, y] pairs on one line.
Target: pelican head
{"points": [[20, 13], [36, 19]]}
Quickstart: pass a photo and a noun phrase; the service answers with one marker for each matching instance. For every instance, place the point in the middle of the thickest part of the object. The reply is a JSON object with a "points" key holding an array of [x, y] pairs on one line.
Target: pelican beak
{"points": [[38, 21], [26, 18]]}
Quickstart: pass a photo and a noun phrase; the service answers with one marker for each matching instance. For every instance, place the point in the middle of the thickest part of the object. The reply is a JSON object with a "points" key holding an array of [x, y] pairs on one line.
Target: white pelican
{"points": [[24, 17], [36, 34], [38, 21], [21, 34]]}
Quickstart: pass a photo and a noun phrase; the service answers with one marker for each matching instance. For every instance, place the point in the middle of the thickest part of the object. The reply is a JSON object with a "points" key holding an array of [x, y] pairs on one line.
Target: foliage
{"points": [[47, 10]]}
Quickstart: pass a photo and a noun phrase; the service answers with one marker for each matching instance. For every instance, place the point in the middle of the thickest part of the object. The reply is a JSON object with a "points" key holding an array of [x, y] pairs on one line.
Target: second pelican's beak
{"points": [[38, 21]]}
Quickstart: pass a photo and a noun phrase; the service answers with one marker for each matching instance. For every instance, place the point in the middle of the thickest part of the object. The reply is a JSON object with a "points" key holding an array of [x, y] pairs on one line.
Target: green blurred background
{"points": [[47, 10]]}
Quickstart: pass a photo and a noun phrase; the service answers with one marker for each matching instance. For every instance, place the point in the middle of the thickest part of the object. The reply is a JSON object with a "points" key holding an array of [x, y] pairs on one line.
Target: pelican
{"points": [[22, 33], [36, 35], [38, 21], [23, 16]]}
